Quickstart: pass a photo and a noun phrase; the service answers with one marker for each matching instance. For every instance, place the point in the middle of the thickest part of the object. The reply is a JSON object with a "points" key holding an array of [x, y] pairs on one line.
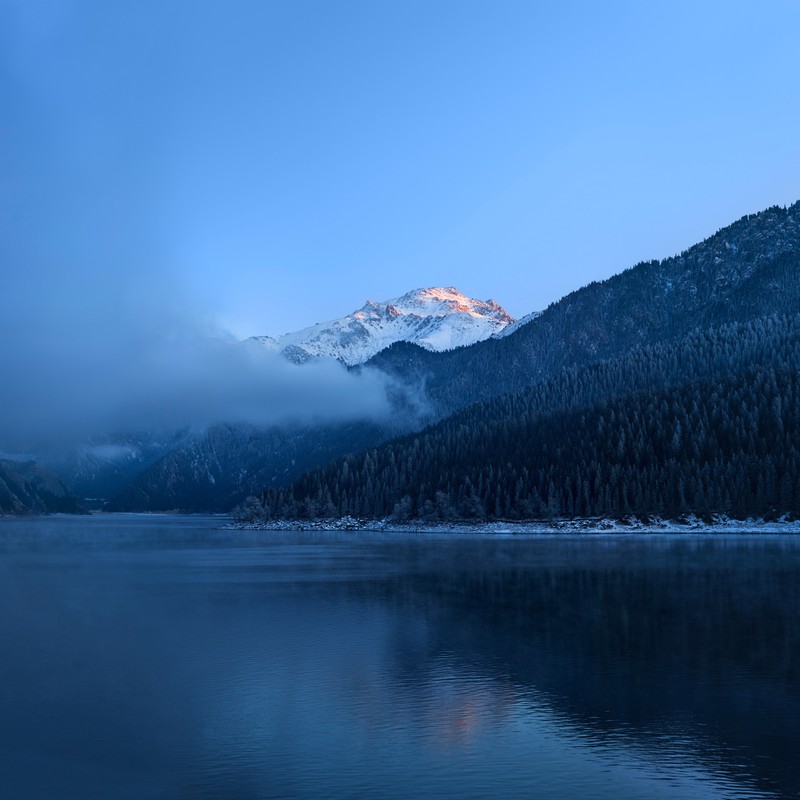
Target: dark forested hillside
{"points": [[103, 466], [747, 270], [708, 424], [725, 306], [28, 488], [217, 469]]}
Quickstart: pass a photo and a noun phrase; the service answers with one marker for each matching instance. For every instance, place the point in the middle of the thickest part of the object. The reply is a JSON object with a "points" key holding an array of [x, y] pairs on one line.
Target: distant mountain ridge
{"points": [[670, 388], [215, 470], [746, 270], [28, 488], [437, 318]]}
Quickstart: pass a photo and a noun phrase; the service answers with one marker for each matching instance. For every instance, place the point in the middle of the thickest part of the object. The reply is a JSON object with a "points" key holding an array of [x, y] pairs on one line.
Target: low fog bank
{"points": [[165, 379], [87, 351], [102, 328]]}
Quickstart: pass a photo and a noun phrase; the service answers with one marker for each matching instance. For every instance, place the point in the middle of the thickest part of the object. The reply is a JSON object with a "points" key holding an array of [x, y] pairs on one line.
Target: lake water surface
{"points": [[161, 657]]}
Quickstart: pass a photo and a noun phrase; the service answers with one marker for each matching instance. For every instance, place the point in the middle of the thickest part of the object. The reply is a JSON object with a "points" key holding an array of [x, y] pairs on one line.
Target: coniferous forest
{"points": [[746, 271], [708, 424], [488, 430], [668, 389]]}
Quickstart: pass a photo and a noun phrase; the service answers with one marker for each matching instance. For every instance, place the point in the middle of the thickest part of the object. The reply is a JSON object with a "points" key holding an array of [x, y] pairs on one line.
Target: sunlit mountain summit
{"points": [[438, 318]]}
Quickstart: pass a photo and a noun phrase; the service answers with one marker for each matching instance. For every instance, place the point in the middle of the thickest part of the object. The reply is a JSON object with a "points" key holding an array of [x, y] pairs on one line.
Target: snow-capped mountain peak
{"points": [[438, 318]]}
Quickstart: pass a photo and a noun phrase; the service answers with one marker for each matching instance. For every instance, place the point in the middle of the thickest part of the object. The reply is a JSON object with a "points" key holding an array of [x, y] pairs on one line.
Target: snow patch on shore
{"points": [[688, 524]]}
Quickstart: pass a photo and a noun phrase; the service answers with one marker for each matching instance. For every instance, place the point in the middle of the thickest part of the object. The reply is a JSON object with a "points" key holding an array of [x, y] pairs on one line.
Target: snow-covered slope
{"points": [[519, 323], [436, 318]]}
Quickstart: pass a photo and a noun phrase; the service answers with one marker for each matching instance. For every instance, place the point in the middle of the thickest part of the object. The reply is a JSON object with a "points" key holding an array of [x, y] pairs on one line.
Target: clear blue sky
{"points": [[273, 164]]}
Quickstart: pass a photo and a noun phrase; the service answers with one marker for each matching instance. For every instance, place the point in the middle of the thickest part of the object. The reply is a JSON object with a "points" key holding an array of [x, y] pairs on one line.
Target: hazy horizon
{"points": [[177, 172]]}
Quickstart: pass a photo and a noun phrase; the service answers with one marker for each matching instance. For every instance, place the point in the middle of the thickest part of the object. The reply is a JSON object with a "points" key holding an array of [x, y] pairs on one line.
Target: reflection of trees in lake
{"points": [[634, 635]]}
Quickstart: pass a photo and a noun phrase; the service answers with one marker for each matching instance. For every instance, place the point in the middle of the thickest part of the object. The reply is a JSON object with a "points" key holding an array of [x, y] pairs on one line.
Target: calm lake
{"points": [[161, 657]]}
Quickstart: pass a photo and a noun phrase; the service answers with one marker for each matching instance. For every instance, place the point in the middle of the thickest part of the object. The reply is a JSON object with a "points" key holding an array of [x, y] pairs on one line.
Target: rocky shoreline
{"points": [[718, 524]]}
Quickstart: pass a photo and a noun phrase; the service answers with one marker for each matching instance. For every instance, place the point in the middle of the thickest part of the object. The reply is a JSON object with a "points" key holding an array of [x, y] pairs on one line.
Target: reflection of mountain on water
{"points": [[655, 641]]}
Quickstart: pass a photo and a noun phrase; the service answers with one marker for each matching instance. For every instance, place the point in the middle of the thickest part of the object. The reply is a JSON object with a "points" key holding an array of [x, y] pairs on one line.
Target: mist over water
{"points": [[164, 658]]}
